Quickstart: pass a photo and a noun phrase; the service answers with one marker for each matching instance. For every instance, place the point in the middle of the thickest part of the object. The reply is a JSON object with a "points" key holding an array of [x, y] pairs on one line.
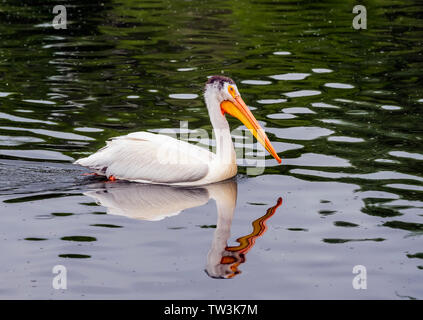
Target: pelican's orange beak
{"points": [[239, 109]]}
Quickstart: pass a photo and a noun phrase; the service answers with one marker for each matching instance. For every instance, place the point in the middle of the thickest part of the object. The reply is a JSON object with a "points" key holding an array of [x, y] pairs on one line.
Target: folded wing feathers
{"points": [[148, 157]]}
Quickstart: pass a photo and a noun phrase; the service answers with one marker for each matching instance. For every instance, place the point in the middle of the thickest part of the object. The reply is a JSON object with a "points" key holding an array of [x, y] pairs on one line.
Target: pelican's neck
{"points": [[225, 151]]}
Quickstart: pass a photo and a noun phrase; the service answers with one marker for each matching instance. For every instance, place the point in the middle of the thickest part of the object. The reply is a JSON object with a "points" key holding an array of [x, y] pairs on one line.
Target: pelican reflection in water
{"points": [[155, 202]]}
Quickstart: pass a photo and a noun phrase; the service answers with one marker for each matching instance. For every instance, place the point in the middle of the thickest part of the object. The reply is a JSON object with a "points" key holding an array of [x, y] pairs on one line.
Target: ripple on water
{"points": [[388, 107], [284, 146], [300, 133], [380, 175], [386, 161], [339, 240], [302, 93], [36, 154], [186, 69], [79, 238], [256, 82], [324, 105], [35, 239], [372, 194], [345, 139], [18, 140], [271, 101], [5, 94], [24, 110], [290, 76], [317, 160], [345, 224], [50, 133], [362, 103], [279, 147], [39, 101], [22, 119], [338, 85], [338, 122], [298, 110], [183, 96], [74, 256], [377, 93], [281, 53], [404, 154], [356, 112], [284, 116], [321, 70], [410, 187], [88, 129]]}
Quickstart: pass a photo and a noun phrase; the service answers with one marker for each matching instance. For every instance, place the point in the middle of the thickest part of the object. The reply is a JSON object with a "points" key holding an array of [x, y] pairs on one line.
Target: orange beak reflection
{"points": [[239, 110]]}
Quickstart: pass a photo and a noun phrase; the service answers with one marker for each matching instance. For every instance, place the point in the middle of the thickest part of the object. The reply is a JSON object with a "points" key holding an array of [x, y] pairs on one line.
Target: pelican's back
{"points": [[150, 158]]}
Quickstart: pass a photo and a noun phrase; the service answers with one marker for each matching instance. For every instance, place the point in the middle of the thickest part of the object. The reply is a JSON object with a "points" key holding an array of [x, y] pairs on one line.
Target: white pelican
{"points": [[156, 202], [154, 158]]}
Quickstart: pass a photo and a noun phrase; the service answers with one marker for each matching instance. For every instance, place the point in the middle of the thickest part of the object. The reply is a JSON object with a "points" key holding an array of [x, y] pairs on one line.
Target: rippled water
{"points": [[342, 107]]}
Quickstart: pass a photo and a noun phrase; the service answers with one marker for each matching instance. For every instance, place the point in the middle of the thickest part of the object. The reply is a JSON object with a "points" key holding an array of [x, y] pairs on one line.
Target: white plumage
{"points": [[148, 157]]}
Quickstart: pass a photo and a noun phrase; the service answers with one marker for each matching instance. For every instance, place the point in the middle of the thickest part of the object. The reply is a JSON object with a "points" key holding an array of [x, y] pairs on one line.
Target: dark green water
{"points": [[343, 108]]}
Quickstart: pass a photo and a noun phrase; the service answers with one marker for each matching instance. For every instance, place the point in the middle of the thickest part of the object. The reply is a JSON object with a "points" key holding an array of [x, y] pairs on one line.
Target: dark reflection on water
{"points": [[342, 107]]}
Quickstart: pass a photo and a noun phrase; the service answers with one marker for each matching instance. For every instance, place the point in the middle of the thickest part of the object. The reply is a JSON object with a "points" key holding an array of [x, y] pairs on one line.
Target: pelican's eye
{"points": [[231, 91]]}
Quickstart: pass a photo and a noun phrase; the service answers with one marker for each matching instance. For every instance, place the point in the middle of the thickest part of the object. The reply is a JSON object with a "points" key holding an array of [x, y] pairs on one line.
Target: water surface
{"points": [[342, 107]]}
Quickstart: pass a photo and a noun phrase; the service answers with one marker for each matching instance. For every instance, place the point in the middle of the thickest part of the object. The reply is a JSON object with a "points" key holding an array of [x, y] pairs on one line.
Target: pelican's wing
{"points": [[148, 202], [148, 157]]}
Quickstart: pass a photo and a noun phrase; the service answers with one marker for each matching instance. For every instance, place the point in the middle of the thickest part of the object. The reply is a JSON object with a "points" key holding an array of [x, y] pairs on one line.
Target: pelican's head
{"points": [[225, 92]]}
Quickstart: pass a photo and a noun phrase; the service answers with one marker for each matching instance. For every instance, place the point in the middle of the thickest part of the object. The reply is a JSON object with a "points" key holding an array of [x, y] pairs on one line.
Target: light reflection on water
{"points": [[342, 108]]}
